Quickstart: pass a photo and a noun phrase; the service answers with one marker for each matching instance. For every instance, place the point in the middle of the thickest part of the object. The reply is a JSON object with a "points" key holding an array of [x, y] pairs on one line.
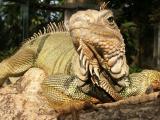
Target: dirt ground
{"points": [[141, 111]]}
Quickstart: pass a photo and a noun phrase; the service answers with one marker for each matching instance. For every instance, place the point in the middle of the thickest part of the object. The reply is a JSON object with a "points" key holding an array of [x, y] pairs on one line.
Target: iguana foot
{"points": [[132, 100]]}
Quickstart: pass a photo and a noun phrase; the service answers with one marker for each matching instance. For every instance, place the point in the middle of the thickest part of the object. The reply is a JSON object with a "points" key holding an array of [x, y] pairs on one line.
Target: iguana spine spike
{"points": [[64, 26], [87, 64], [52, 27], [96, 71], [56, 28], [49, 29], [32, 38], [44, 30], [104, 5], [81, 55], [59, 27], [102, 84], [84, 60], [39, 33], [34, 35], [79, 48], [91, 69]]}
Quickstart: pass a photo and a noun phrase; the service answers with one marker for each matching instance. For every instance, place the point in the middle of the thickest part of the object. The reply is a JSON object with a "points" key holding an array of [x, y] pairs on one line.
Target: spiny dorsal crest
{"points": [[51, 28], [104, 5]]}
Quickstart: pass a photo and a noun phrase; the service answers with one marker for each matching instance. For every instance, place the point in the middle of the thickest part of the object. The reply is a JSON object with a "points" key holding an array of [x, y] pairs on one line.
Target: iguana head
{"points": [[94, 32]]}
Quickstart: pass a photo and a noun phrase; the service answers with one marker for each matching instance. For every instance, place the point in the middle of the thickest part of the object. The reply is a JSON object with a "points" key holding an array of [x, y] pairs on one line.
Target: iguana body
{"points": [[60, 61], [74, 60], [71, 56]]}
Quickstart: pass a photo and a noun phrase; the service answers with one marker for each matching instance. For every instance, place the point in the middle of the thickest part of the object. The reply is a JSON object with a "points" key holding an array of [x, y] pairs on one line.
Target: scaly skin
{"points": [[142, 83], [73, 55], [76, 61]]}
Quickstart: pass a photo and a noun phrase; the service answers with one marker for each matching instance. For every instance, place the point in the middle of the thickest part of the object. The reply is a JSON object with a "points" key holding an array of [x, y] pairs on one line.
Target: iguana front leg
{"points": [[64, 94], [16, 64]]}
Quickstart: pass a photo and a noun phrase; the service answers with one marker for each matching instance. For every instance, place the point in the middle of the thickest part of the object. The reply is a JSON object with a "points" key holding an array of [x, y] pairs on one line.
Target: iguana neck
{"points": [[57, 53]]}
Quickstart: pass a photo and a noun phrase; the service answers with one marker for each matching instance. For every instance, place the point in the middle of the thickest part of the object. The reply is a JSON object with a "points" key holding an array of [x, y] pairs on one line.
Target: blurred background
{"points": [[139, 21]]}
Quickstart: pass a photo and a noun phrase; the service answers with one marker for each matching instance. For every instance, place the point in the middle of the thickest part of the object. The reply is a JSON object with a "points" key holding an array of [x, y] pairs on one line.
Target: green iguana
{"points": [[82, 64], [68, 56]]}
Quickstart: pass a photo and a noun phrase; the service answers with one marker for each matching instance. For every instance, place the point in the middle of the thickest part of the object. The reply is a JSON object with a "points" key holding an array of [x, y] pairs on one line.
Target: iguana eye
{"points": [[110, 19]]}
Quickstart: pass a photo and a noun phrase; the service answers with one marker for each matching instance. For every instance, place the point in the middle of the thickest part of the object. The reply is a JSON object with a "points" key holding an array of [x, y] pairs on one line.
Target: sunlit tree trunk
{"points": [[156, 51], [68, 13], [75, 3], [158, 61], [25, 19]]}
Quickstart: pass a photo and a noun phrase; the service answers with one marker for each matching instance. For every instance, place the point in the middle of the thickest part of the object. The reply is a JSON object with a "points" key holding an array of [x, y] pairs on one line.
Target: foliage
{"points": [[144, 14], [155, 16], [133, 69], [7, 53], [134, 17], [11, 22], [10, 26], [130, 34]]}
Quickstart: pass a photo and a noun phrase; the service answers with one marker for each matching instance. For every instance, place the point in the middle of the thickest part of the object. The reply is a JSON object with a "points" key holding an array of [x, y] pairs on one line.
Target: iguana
{"points": [[83, 64], [74, 59]]}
